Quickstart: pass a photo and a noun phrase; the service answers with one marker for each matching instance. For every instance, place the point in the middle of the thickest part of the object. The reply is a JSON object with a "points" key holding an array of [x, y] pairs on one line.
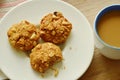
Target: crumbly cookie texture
{"points": [[24, 35], [55, 28], [44, 56]]}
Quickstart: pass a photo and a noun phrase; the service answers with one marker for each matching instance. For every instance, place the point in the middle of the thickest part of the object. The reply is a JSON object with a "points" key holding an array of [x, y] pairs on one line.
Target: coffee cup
{"points": [[107, 31]]}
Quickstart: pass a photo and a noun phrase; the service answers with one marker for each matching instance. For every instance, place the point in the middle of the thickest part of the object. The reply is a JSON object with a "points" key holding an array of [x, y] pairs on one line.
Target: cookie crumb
{"points": [[42, 75], [70, 48], [56, 72]]}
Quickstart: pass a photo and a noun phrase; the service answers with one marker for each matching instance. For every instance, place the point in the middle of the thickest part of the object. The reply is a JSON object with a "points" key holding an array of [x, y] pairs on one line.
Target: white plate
{"points": [[77, 52]]}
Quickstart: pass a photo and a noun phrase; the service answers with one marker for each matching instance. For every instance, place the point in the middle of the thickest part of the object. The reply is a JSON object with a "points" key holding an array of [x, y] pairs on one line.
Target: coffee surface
{"points": [[109, 28]]}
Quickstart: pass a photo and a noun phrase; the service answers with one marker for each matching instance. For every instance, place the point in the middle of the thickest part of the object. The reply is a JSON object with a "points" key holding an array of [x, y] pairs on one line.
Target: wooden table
{"points": [[101, 67]]}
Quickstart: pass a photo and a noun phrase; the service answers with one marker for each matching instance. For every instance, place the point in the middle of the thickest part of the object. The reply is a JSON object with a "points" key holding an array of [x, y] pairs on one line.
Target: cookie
{"points": [[55, 28], [44, 56], [23, 36]]}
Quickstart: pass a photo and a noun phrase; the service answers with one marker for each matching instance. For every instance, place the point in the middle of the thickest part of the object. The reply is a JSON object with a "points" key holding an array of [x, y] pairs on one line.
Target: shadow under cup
{"points": [[107, 50]]}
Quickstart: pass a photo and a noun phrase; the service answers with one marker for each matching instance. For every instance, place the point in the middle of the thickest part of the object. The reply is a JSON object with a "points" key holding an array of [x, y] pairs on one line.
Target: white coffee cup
{"points": [[105, 49]]}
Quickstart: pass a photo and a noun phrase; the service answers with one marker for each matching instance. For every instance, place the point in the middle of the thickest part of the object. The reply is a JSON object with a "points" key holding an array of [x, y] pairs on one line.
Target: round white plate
{"points": [[77, 51]]}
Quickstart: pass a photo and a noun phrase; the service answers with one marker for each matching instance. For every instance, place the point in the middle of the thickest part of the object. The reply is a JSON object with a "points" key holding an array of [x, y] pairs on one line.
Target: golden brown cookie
{"points": [[55, 28], [45, 55], [23, 36]]}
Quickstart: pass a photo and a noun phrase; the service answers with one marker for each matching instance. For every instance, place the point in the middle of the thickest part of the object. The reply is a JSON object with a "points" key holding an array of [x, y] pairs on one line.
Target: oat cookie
{"points": [[55, 28], [45, 55], [23, 36]]}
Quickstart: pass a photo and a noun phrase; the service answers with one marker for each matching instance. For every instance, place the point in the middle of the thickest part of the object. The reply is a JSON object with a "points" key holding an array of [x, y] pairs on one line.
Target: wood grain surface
{"points": [[101, 67]]}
